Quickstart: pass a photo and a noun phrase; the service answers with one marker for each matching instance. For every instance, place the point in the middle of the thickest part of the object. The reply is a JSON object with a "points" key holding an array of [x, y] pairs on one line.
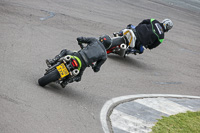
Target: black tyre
{"points": [[50, 77]]}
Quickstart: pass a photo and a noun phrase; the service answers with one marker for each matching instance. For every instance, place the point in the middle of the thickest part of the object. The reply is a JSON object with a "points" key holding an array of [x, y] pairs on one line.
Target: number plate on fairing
{"points": [[62, 70]]}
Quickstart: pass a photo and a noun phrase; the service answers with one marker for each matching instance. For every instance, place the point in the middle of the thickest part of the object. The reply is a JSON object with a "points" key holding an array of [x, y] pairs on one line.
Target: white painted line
{"points": [[129, 123], [163, 105], [51, 14]]}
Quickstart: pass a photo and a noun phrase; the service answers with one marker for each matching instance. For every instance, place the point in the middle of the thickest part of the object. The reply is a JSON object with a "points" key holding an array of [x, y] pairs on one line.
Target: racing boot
{"points": [[51, 62], [64, 83], [132, 51]]}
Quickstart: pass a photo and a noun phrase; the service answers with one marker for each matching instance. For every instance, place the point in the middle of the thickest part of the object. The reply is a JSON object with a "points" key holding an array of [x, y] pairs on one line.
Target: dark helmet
{"points": [[106, 41]]}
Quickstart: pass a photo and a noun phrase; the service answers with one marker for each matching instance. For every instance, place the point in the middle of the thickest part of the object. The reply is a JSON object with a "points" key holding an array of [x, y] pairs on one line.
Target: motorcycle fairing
{"points": [[130, 36]]}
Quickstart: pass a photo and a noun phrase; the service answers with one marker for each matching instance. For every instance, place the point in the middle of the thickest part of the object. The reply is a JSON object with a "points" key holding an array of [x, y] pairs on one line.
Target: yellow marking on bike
{"points": [[62, 70], [131, 37]]}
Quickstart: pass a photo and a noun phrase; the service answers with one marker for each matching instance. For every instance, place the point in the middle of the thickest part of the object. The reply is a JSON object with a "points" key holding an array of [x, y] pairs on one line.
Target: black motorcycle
{"points": [[64, 70], [122, 45]]}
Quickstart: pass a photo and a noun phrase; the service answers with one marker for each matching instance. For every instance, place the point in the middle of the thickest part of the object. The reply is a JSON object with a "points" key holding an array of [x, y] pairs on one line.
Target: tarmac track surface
{"points": [[32, 31]]}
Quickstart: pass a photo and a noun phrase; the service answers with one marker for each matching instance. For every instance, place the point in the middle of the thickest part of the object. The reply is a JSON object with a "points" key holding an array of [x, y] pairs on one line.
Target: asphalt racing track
{"points": [[32, 31]]}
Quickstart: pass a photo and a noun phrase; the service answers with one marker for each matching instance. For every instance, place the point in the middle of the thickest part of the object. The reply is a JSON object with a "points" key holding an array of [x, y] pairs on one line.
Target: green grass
{"points": [[188, 122]]}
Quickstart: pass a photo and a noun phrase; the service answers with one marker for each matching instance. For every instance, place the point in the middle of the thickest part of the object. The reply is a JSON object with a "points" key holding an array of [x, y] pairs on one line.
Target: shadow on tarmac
{"points": [[131, 62], [68, 91]]}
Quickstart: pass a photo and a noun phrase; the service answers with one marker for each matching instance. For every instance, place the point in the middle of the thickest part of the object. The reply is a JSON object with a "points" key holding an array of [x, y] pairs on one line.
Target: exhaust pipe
{"points": [[75, 72], [122, 51], [67, 58], [123, 46]]}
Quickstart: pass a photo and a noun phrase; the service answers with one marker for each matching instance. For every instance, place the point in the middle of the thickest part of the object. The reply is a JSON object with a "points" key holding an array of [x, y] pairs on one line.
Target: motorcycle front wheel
{"points": [[50, 77]]}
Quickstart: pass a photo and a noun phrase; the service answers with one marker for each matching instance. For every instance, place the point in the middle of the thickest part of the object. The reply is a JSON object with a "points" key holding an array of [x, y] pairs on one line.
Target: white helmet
{"points": [[167, 23]]}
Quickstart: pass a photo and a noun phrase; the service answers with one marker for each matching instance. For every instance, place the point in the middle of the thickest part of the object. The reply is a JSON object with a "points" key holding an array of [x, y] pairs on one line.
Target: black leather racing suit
{"points": [[93, 52], [150, 33]]}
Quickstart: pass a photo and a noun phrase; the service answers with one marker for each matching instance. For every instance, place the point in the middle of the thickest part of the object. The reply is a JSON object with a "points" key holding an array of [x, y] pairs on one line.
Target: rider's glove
{"points": [[130, 26], [79, 39]]}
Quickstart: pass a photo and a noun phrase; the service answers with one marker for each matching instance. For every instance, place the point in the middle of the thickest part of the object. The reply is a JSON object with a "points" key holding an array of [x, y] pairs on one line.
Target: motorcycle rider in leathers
{"points": [[149, 34], [95, 51]]}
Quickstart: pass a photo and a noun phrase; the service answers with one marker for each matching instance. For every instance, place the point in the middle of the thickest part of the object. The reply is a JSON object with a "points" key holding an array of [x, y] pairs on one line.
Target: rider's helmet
{"points": [[167, 23], [106, 41]]}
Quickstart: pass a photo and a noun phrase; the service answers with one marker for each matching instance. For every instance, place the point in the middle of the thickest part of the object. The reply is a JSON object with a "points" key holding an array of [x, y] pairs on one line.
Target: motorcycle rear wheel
{"points": [[50, 77]]}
